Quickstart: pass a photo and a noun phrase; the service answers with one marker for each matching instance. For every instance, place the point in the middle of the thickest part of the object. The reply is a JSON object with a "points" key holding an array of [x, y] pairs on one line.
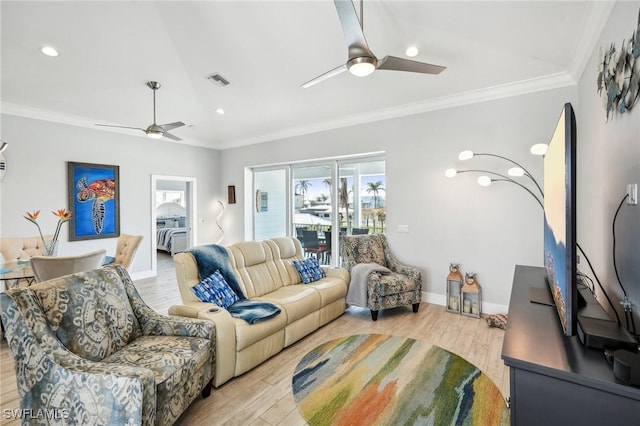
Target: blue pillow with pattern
{"points": [[309, 270], [215, 289]]}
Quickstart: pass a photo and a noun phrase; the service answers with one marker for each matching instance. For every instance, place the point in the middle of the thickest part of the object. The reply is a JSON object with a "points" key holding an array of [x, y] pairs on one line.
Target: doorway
{"points": [[171, 192]]}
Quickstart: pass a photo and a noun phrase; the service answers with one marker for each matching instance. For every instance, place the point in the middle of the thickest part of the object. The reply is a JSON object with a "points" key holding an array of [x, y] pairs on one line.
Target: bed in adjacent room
{"points": [[171, 230]]}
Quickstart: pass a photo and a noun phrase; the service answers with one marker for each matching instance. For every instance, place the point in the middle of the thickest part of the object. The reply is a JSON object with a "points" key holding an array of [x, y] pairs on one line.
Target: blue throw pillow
{"points": [[309, 270], [215, 289]]}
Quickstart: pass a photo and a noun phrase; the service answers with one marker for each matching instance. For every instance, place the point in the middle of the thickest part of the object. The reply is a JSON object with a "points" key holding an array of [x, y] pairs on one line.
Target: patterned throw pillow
{"points": [[497, 320], [215, 289], [309, 270]]}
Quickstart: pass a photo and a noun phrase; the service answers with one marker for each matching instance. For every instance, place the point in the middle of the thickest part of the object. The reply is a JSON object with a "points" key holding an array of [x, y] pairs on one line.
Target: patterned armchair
{"points": [[88, 350], [403, 286]]}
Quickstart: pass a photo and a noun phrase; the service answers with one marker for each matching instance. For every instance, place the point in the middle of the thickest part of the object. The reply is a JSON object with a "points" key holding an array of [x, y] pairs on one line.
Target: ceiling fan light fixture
{"points": [[362, 66], [154, 131]]}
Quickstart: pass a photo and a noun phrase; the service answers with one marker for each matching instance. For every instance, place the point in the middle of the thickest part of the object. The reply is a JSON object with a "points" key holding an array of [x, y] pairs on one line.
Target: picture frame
{"points": [[93, 192], [231, 194]]}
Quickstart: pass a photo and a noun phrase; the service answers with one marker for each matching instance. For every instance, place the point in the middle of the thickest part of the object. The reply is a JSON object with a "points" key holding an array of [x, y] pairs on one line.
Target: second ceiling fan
{"points": [[362, 61], [154, 130]]}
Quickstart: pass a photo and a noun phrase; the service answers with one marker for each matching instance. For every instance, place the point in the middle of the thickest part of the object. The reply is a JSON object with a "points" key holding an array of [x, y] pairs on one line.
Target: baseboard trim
{"points": [[141, 275], [487, 308]]}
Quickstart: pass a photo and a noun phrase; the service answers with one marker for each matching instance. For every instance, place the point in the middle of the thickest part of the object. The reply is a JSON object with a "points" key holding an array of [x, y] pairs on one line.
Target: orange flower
{"points": [[63, 214], [33, 216]]}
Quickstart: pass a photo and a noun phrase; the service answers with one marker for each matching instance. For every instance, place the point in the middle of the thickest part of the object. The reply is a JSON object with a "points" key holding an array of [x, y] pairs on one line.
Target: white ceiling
{"points": [[267, 49]]}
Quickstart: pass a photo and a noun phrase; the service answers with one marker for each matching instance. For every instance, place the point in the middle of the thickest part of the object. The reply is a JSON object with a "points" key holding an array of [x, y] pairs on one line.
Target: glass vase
{"points": [[50, 248]]}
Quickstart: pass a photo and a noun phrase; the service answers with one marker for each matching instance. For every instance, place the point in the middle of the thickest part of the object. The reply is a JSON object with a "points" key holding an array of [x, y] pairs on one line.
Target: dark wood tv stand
{"points": [[554, 379]]}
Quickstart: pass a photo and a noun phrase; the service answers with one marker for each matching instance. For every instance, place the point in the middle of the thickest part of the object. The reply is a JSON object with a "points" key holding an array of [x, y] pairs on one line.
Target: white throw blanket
{"points": [[357, 293]]}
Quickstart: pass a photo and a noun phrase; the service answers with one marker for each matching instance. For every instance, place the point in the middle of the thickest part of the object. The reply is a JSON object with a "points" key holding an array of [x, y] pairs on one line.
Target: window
{"points": [[163, 196]]}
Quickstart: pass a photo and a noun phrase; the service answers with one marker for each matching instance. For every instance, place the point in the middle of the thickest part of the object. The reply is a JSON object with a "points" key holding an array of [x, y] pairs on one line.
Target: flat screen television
{"points": [[560, 257]]}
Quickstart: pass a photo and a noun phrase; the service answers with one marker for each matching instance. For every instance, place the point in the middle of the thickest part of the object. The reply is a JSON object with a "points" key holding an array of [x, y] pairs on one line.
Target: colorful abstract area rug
{"points": [[375, 379]]}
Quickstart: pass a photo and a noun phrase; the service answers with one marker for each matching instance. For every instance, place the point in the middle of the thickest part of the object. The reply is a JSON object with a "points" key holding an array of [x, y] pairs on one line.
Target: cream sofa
{"points": [[265, 272]]}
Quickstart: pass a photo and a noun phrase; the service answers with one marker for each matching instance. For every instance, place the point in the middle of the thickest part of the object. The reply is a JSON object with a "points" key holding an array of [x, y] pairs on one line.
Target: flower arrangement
{"points": [[49, 248]]}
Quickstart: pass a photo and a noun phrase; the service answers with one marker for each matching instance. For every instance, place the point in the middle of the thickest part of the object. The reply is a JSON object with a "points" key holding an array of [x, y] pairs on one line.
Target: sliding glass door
{"points": [[319, 201]]}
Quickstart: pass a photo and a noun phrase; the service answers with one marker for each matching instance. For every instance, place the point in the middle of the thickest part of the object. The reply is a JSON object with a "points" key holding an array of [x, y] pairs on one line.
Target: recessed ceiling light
{"points": [[49, 51], [220, 111], [411, 51]]}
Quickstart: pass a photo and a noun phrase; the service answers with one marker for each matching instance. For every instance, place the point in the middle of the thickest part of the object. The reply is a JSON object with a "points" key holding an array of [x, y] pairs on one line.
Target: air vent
{"points": [[218, 80]]}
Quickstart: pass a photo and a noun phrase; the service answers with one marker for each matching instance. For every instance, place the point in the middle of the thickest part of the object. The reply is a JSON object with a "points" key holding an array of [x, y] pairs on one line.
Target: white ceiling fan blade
{"points": [[401, 64], [352, 30], [170, 126], [342, 68], [170, 136], [120, 127]]}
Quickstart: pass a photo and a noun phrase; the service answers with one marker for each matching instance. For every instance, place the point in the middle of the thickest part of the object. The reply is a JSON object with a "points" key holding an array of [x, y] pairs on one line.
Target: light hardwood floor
{"points": [[263, 395]]}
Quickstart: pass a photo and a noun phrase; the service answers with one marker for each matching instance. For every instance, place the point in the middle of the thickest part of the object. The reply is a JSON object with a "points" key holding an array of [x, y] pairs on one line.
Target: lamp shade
{"points": [[450, 173], [484, 181], [515, 171], [465, 155], [539, 149]]}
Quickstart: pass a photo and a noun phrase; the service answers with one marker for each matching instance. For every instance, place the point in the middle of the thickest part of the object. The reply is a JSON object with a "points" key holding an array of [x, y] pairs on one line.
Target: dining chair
{"points": [[311, 244], [49, 267], [359, 231], [21, 248], [327, 247], [126, 249]]}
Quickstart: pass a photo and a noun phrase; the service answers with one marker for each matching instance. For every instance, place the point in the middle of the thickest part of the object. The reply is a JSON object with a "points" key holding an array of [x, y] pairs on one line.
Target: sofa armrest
{"points": [[333, 271], [225, 336]]}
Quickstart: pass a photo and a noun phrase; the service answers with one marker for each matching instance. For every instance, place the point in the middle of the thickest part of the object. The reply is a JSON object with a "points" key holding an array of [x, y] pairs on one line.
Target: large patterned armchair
{"points": [[88, 350], [400, 287]]}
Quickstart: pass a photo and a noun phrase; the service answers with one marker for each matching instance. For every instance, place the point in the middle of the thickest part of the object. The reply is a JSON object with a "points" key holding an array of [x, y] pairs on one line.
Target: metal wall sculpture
{"points": [[619, 75]]}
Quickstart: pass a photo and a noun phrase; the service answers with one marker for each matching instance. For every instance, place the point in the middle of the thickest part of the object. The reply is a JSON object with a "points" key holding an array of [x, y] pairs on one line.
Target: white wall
{"points": [[486, 230], [36, 179], [609, 159]]}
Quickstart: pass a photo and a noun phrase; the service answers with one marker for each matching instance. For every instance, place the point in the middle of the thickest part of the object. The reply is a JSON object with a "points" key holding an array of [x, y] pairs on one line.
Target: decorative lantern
{"points": [[471, 296], [454, 284]]}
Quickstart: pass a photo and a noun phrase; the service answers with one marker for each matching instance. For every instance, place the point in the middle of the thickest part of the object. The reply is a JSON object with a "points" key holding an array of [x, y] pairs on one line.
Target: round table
{"points": [[11, 273]]}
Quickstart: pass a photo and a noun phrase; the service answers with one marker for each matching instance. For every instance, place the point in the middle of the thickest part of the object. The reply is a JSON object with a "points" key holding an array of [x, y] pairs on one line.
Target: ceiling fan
{"points": [[362, 61], [154, 130]]}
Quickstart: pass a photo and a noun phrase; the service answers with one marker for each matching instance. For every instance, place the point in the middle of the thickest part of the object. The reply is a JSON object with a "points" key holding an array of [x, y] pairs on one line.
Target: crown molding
{"points": [[597, 18], [79, 121], [518, 88]]}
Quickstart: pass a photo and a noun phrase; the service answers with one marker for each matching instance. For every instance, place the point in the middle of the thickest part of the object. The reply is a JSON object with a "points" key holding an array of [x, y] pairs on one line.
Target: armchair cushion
{"points": [[215, 289], [309, 270]]}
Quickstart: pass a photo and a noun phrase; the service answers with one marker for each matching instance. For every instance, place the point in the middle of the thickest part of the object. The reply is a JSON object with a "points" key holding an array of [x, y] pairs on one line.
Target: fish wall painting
{"points": [[94, 199]]}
